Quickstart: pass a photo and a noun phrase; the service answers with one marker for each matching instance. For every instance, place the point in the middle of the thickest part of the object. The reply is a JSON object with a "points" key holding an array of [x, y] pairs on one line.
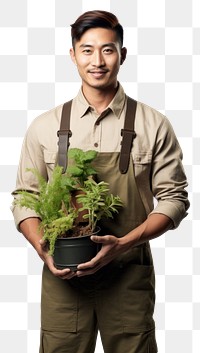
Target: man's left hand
{"points": [[111, 248]]}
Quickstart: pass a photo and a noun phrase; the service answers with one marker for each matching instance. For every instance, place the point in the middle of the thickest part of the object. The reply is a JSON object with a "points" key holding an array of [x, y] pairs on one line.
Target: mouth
{"points": [[98, 74]]}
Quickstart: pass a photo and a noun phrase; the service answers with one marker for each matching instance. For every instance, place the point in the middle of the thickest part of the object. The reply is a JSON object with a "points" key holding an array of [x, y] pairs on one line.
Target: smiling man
{"points": [[98, 56], [114, 293]]}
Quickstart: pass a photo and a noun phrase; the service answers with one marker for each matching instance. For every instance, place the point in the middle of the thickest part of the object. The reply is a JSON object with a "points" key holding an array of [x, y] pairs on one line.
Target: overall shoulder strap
{"points": [[63, 135], [128, 134]]}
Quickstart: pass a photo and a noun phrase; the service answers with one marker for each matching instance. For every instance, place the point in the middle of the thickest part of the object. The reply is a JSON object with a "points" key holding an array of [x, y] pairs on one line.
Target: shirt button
{"points": [[96, 144]]}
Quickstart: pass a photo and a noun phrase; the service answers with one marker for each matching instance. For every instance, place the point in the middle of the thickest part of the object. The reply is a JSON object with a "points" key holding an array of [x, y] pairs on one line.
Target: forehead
{"points": [[98, 36]]}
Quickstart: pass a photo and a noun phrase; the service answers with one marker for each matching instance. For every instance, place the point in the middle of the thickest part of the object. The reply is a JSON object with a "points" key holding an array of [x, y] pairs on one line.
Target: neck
{"points": [[99, 99]]}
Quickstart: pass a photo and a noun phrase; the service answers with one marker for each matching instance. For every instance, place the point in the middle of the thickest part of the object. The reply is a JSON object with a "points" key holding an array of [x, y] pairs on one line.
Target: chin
{"points": [[98, 86]]}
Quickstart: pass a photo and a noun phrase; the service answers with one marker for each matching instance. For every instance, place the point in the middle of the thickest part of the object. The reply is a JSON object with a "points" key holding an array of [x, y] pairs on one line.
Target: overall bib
{"points": [[118, 300]]}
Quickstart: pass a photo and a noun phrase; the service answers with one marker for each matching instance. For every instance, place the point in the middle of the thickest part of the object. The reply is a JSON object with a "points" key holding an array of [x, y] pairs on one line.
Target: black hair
{"points": [[95, 19]]}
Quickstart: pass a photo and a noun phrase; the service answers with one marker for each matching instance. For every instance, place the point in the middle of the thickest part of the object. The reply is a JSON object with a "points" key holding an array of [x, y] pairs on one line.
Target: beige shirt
{"points": [[156, 153]]}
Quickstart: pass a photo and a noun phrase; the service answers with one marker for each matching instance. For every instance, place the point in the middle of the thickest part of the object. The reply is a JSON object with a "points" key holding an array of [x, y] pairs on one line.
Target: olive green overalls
{"points": [[118, 300]]}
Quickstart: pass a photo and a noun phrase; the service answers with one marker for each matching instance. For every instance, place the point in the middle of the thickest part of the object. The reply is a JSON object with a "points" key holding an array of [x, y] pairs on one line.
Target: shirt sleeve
{"points": [[31, 157], [168, 177]]}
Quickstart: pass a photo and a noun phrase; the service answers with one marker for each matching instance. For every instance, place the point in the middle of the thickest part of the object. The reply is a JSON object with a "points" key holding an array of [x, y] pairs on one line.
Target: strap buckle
{"points": [[64, 132], [131, 132]]}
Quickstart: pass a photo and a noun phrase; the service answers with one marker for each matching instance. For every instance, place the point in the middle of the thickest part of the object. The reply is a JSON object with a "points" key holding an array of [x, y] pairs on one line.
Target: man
{"points": [[114, 292]]}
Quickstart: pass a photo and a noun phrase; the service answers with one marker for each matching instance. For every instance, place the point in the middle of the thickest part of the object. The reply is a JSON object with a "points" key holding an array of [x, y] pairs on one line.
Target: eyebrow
{"points": [[111, 44]]}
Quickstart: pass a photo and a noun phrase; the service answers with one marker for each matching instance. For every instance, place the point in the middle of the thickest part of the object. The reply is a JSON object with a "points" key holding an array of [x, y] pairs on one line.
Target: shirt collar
{"points": [[116, 105]]}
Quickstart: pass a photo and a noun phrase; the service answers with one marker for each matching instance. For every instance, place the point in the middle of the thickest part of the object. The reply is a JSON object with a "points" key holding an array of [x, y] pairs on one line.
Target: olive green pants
{"points": [[55, 342], [117, 301]]}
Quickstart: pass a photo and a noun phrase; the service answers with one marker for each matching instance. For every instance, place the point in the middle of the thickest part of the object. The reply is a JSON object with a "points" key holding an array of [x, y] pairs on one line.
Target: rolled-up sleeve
{"points": [[31, 157], [168, 177]]}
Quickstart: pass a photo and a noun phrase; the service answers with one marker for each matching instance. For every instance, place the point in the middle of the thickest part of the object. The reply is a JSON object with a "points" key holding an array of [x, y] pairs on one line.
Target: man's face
{"points": [[98, 57]]}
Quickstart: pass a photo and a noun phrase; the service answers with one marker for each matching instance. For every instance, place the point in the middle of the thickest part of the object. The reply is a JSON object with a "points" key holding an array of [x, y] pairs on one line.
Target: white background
{"points": [[162, 70]]}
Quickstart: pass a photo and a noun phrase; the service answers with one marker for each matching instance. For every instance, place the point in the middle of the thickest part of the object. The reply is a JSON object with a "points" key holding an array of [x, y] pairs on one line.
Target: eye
{"points": [[87, 51], [108, 50]]}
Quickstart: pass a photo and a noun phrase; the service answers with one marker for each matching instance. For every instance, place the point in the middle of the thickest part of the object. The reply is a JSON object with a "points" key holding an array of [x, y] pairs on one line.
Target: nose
{"points": [[98, 59]]}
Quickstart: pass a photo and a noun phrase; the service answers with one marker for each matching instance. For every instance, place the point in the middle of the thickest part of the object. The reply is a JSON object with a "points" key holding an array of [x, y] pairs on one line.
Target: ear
{"points": [[72, 54], [123, 55]]}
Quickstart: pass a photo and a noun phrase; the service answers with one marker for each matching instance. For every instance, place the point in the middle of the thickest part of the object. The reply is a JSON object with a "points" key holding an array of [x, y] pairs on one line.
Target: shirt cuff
{"points": [[20, 214], [175, 210]]}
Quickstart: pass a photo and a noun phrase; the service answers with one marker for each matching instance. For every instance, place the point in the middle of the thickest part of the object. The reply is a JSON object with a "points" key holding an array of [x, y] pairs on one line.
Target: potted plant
{"points": [[62, 200]]}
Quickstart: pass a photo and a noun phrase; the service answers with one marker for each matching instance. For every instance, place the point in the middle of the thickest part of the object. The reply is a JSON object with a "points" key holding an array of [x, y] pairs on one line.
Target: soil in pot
{"points": [[72, 251]]}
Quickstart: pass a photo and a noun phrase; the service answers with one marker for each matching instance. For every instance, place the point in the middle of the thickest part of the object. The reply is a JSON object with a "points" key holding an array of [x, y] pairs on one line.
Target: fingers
{"points": [[104, 239], [67, 276], [109, 250], [90, 267], [63, 274], [48, 260], [87, 272]]}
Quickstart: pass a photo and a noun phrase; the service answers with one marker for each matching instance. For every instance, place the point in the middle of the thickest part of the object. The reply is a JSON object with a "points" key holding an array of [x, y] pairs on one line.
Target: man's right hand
{"points": [[30, 229], [48, 260]]}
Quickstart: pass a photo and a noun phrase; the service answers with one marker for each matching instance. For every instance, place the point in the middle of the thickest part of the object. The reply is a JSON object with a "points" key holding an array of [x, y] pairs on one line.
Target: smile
{"points": [[98, 74]]}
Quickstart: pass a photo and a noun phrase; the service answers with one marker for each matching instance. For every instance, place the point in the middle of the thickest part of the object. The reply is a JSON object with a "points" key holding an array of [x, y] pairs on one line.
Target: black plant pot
{"points": [[70, 252]]}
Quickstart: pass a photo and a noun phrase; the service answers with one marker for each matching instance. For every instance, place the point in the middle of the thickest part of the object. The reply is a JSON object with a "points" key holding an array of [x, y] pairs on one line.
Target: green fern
{"points": [[56, 228], [48, 201]]}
